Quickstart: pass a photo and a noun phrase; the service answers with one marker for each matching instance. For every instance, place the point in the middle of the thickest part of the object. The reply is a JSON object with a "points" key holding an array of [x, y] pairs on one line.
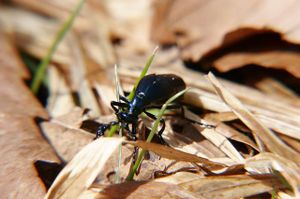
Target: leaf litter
{"points": [[254, 146]]}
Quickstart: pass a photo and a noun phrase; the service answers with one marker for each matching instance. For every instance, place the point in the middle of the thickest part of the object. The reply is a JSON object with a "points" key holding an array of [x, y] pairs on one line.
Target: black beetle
{"points": [[152, 91]]}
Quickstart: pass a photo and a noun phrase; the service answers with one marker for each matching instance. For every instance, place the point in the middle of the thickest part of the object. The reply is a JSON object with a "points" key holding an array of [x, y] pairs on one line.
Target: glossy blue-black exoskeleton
{"points": [[152, 91]]}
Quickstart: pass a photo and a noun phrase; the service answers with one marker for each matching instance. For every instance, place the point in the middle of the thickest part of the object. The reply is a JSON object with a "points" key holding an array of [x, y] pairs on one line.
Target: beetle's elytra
{"points": [[157, 89]]}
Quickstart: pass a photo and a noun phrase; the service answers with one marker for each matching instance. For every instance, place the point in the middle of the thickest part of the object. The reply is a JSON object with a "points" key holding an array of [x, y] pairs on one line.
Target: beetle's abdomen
{"points": [[157, 89]]}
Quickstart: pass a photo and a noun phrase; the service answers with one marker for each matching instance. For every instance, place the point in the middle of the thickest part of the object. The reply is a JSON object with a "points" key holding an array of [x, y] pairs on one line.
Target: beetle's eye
{"points": [[141, 95]]}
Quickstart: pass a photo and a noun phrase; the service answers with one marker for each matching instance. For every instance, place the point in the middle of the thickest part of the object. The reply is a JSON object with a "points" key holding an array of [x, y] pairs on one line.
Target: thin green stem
{"points": [[117, 83], [136, 165], [40, 73], [153, 131]]}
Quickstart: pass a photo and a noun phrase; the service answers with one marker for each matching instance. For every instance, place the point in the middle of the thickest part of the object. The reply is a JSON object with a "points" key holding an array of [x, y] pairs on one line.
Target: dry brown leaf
{"points": [[104, 20], [190, 140], [188, 185], [78, 73], [72, 119], [295, 144], [235, 186], [284, 195], [275, 88], [155, 166], [273, 143], [60, 9], [224, 144], [233, 134], [16, 66], [267, 162], [67, 142], [279, 59], [140, 190], [60, 99], [266, 50], [81, 172], [165, 187], [221, 117], [170, 153], [227, 130], [34, 34], [106, 95], [21, 141], [131, 22], [218, 139], [64, 134], [198, 27], [179, 178]]}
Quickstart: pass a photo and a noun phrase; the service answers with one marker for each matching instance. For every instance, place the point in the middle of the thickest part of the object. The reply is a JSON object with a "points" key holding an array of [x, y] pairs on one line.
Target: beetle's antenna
{"points": [[189, 116], [202, 123]]}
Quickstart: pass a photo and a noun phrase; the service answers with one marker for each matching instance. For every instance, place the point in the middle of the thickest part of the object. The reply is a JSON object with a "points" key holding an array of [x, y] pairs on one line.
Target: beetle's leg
{"points": [[115, 104], [134, 138], [132, 132], [103, 128], [124, 99], [160, 132], [162, 121]]}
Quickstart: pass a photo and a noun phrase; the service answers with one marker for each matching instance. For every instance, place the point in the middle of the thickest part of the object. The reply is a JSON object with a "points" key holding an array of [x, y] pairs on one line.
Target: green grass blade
{"points": [[153, 131], [143, 73], [40, 73]]}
